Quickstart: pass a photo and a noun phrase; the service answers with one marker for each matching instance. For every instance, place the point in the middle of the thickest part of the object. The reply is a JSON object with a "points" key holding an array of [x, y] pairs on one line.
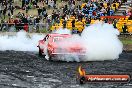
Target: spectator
{"points": [[105, 20], [2, 22], [63, 16], [0, 10], [24, 20], [114, 23], [54, 3], [11, 8], [34, 3], [23, 3], [26, 8], [94, 14], [51, 3], [72, 8], [108, 11], [64, 23], [80, 16], [73, 24], [37, 23], [19, 15], [92, 9], [44, 13], [74, 31], [129, 13], [124, 28], [88, 21], [65, 10], [58, 20], [46, 1], [4, 12], [103, 11], [124, 13], [39, 11], [16, 21], [48, 22], [4, 26], [114, 5], [25, 27]]}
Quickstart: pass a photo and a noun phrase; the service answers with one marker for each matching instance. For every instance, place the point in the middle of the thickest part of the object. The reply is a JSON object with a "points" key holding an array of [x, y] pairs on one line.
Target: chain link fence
{"points": [[41, 28]]}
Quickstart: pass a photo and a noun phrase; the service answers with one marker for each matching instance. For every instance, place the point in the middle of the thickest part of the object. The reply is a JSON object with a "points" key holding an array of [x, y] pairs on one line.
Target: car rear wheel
{"points": [[50, 56]]}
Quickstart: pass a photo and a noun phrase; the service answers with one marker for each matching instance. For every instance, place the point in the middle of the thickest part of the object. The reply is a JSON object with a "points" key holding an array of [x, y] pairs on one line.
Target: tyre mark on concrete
{"points": [[15, 76]]}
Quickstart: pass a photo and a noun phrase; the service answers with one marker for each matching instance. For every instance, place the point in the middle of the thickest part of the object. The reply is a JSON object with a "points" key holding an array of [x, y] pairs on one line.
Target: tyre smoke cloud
{"points": [[100, 40], [20, 42]]}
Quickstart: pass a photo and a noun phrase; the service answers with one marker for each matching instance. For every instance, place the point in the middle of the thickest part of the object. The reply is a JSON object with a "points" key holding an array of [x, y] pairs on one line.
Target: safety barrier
{"points": [[30, 27]]}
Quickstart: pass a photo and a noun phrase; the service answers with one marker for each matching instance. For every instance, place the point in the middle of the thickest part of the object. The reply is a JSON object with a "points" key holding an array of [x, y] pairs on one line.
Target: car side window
{"points": [[46, 38]]}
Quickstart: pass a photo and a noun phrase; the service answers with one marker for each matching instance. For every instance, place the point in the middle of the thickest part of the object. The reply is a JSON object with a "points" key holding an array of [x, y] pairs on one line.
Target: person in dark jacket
{"points": [[23, 3], [37, 23], [4, 12], [105, 20], [73, 24], [124, 28], [2, 22], [39, 11], [11, 8], [54, 3], [64, 24], [108, 11]]}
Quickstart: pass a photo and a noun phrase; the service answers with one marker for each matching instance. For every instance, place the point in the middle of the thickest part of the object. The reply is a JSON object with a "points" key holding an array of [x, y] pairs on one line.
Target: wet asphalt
{"points": [[28, 70]]}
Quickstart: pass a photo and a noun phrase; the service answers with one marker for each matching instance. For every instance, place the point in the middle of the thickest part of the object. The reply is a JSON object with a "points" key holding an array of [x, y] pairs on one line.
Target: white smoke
{"points": [[62, 31], [20, 42], [101, 43]]}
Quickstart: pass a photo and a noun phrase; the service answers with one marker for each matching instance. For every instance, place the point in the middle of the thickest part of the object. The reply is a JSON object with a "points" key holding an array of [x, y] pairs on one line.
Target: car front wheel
{"points": [[40, 53], [82, 80]]}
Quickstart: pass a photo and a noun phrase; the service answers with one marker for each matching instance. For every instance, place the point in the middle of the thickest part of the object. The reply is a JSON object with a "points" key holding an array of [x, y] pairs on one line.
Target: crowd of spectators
{"points": [[21, 20], [91, 9]]}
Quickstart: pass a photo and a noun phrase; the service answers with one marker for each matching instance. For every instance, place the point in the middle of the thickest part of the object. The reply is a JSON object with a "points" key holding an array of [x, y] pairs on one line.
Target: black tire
{"points": [[40, 53], [50, 57], [82, 80]]}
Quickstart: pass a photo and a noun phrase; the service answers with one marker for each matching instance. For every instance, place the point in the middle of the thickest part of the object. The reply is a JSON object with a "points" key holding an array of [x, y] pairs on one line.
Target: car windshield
{"points": [[57, 38]]}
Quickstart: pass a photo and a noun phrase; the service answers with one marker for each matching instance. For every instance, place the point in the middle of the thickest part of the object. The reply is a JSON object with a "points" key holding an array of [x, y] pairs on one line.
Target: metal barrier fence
{"points": [[38, 27], [12, 27]]}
